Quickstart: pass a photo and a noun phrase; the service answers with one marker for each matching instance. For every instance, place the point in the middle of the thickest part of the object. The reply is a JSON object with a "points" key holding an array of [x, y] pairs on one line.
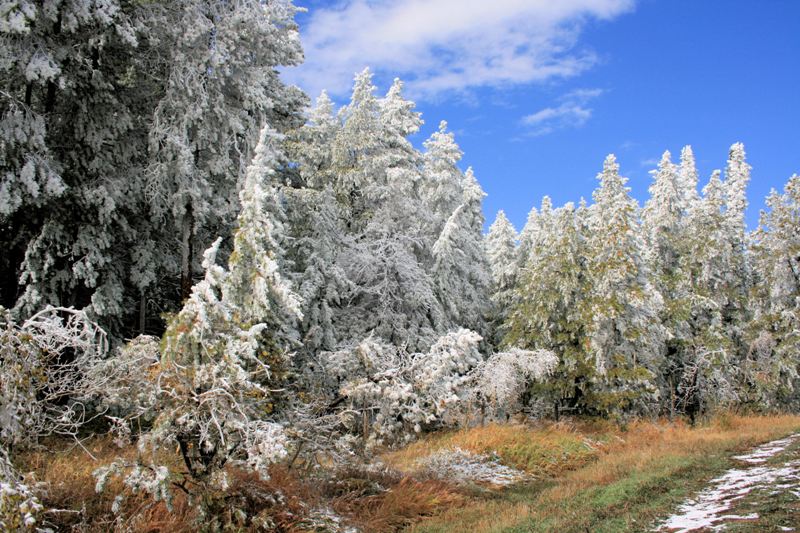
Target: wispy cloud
{"points": [[572, 112], [448, 45]]}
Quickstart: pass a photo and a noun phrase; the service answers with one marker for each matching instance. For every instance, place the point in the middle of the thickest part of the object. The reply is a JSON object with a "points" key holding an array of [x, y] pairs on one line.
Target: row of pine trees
{"points": [[672, 308], [128, 133]]}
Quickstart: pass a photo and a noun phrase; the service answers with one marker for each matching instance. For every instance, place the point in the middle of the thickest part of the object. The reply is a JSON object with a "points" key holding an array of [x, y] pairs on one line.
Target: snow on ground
{"points": [[707, 509], [462, 466], [763, 453]]}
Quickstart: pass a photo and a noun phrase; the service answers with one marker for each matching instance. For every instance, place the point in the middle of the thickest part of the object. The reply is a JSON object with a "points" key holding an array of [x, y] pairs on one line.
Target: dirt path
{"points": [[761, 495]]}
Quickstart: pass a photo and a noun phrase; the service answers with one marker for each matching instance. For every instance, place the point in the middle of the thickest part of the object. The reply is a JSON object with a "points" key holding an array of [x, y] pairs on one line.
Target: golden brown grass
{"points": [[67, 472], [629, 463], [541, 450], [587, 475]]}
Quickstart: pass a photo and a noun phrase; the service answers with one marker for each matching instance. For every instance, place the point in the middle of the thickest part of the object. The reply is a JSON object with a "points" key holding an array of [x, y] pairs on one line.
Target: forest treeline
{"points": [[301, 280]]}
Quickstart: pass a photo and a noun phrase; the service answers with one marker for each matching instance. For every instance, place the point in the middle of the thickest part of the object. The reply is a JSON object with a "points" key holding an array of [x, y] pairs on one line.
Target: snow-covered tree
{"points": [[391, 292], [550, 310], [624, 334], [774, 331], [527, 236], [222, 86], [72, 152], [222, 356], [664, 223], [442, 179], [461, 270], [688, 178], [706, 376], [501, 250]]}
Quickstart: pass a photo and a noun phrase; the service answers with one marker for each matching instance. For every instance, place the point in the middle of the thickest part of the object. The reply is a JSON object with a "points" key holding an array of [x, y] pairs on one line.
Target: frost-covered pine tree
{"points": [[774, 331], [72, 153], [737, 176], [392, 294], [221, 359], [527, 236], [624, 333], [705, 377], [461, 270], [688, 178], [501, 250], [664, 224], [354, 148], [221, 87], [311, 146], [550, 310], [442, 180], [318, 248]]}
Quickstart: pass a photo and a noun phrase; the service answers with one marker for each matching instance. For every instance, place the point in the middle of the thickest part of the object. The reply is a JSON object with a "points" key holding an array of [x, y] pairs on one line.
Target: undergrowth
{"points": [[579, 476]]}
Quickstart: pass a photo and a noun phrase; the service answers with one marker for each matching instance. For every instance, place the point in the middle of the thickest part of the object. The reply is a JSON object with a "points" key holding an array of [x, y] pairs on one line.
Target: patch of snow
{"points": [[707, 508], [325, 519], [763, 453], [462, 466]]}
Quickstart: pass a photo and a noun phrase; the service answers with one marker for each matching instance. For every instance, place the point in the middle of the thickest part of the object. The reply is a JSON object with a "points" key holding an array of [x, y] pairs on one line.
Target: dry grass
{"points": [[587, 475], [401, 505], [540, 450], [67, 473], [629, 478]]}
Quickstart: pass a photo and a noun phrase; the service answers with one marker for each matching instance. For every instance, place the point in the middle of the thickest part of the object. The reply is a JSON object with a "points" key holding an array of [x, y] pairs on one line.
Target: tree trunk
{"points": [[187, 252]]}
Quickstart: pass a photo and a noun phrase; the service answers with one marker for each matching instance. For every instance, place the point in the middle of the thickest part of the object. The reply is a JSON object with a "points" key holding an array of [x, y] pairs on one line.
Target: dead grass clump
{"points": [[399, 506], [546, 450]]}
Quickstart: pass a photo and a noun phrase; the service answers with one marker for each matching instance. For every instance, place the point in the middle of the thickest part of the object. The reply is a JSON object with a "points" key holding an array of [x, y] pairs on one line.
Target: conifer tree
{"points": [[501, 251], [774, 331], [461, 270], [215, 392], [624, 334], [526, 238], [391, 292], [442, 180], [550, 311]]}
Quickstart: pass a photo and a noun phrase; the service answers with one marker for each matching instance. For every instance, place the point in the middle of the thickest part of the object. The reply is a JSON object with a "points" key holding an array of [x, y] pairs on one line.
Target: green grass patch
{"points": [[632, 503]]}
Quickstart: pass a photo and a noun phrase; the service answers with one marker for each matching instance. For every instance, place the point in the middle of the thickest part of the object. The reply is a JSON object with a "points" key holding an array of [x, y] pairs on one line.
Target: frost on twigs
{"points": [[20, 509], [214, 392], [393, 395], [503, 378], [46, 373], [464, 467]]}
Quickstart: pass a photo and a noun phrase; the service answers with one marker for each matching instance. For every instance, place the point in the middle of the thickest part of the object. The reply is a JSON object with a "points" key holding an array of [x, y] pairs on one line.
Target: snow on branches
{"points": [[393, 395], [45, 373], [214, 391]]}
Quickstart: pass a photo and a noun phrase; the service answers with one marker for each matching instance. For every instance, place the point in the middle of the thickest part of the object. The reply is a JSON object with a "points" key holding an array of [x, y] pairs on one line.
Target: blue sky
{"points": [[538, 92]]}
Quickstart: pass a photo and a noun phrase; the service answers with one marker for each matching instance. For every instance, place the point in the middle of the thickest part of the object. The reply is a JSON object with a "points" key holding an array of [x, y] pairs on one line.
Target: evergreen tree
{"points": [[442, 180], [624, 334], [461, 269], [664, 223], [501, 251], [72, 153], [550, 311], [391, 293], [774, 332], [526, 238], [688, 178]]}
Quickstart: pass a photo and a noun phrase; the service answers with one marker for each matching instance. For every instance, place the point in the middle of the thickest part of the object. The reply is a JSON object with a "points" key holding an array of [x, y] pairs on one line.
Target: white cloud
{"points": [[448, 45], [572, 112]]}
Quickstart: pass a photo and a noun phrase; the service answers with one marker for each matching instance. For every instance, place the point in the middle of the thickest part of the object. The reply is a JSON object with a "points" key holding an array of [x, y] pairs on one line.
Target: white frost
{"points": [[706, 510]]}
